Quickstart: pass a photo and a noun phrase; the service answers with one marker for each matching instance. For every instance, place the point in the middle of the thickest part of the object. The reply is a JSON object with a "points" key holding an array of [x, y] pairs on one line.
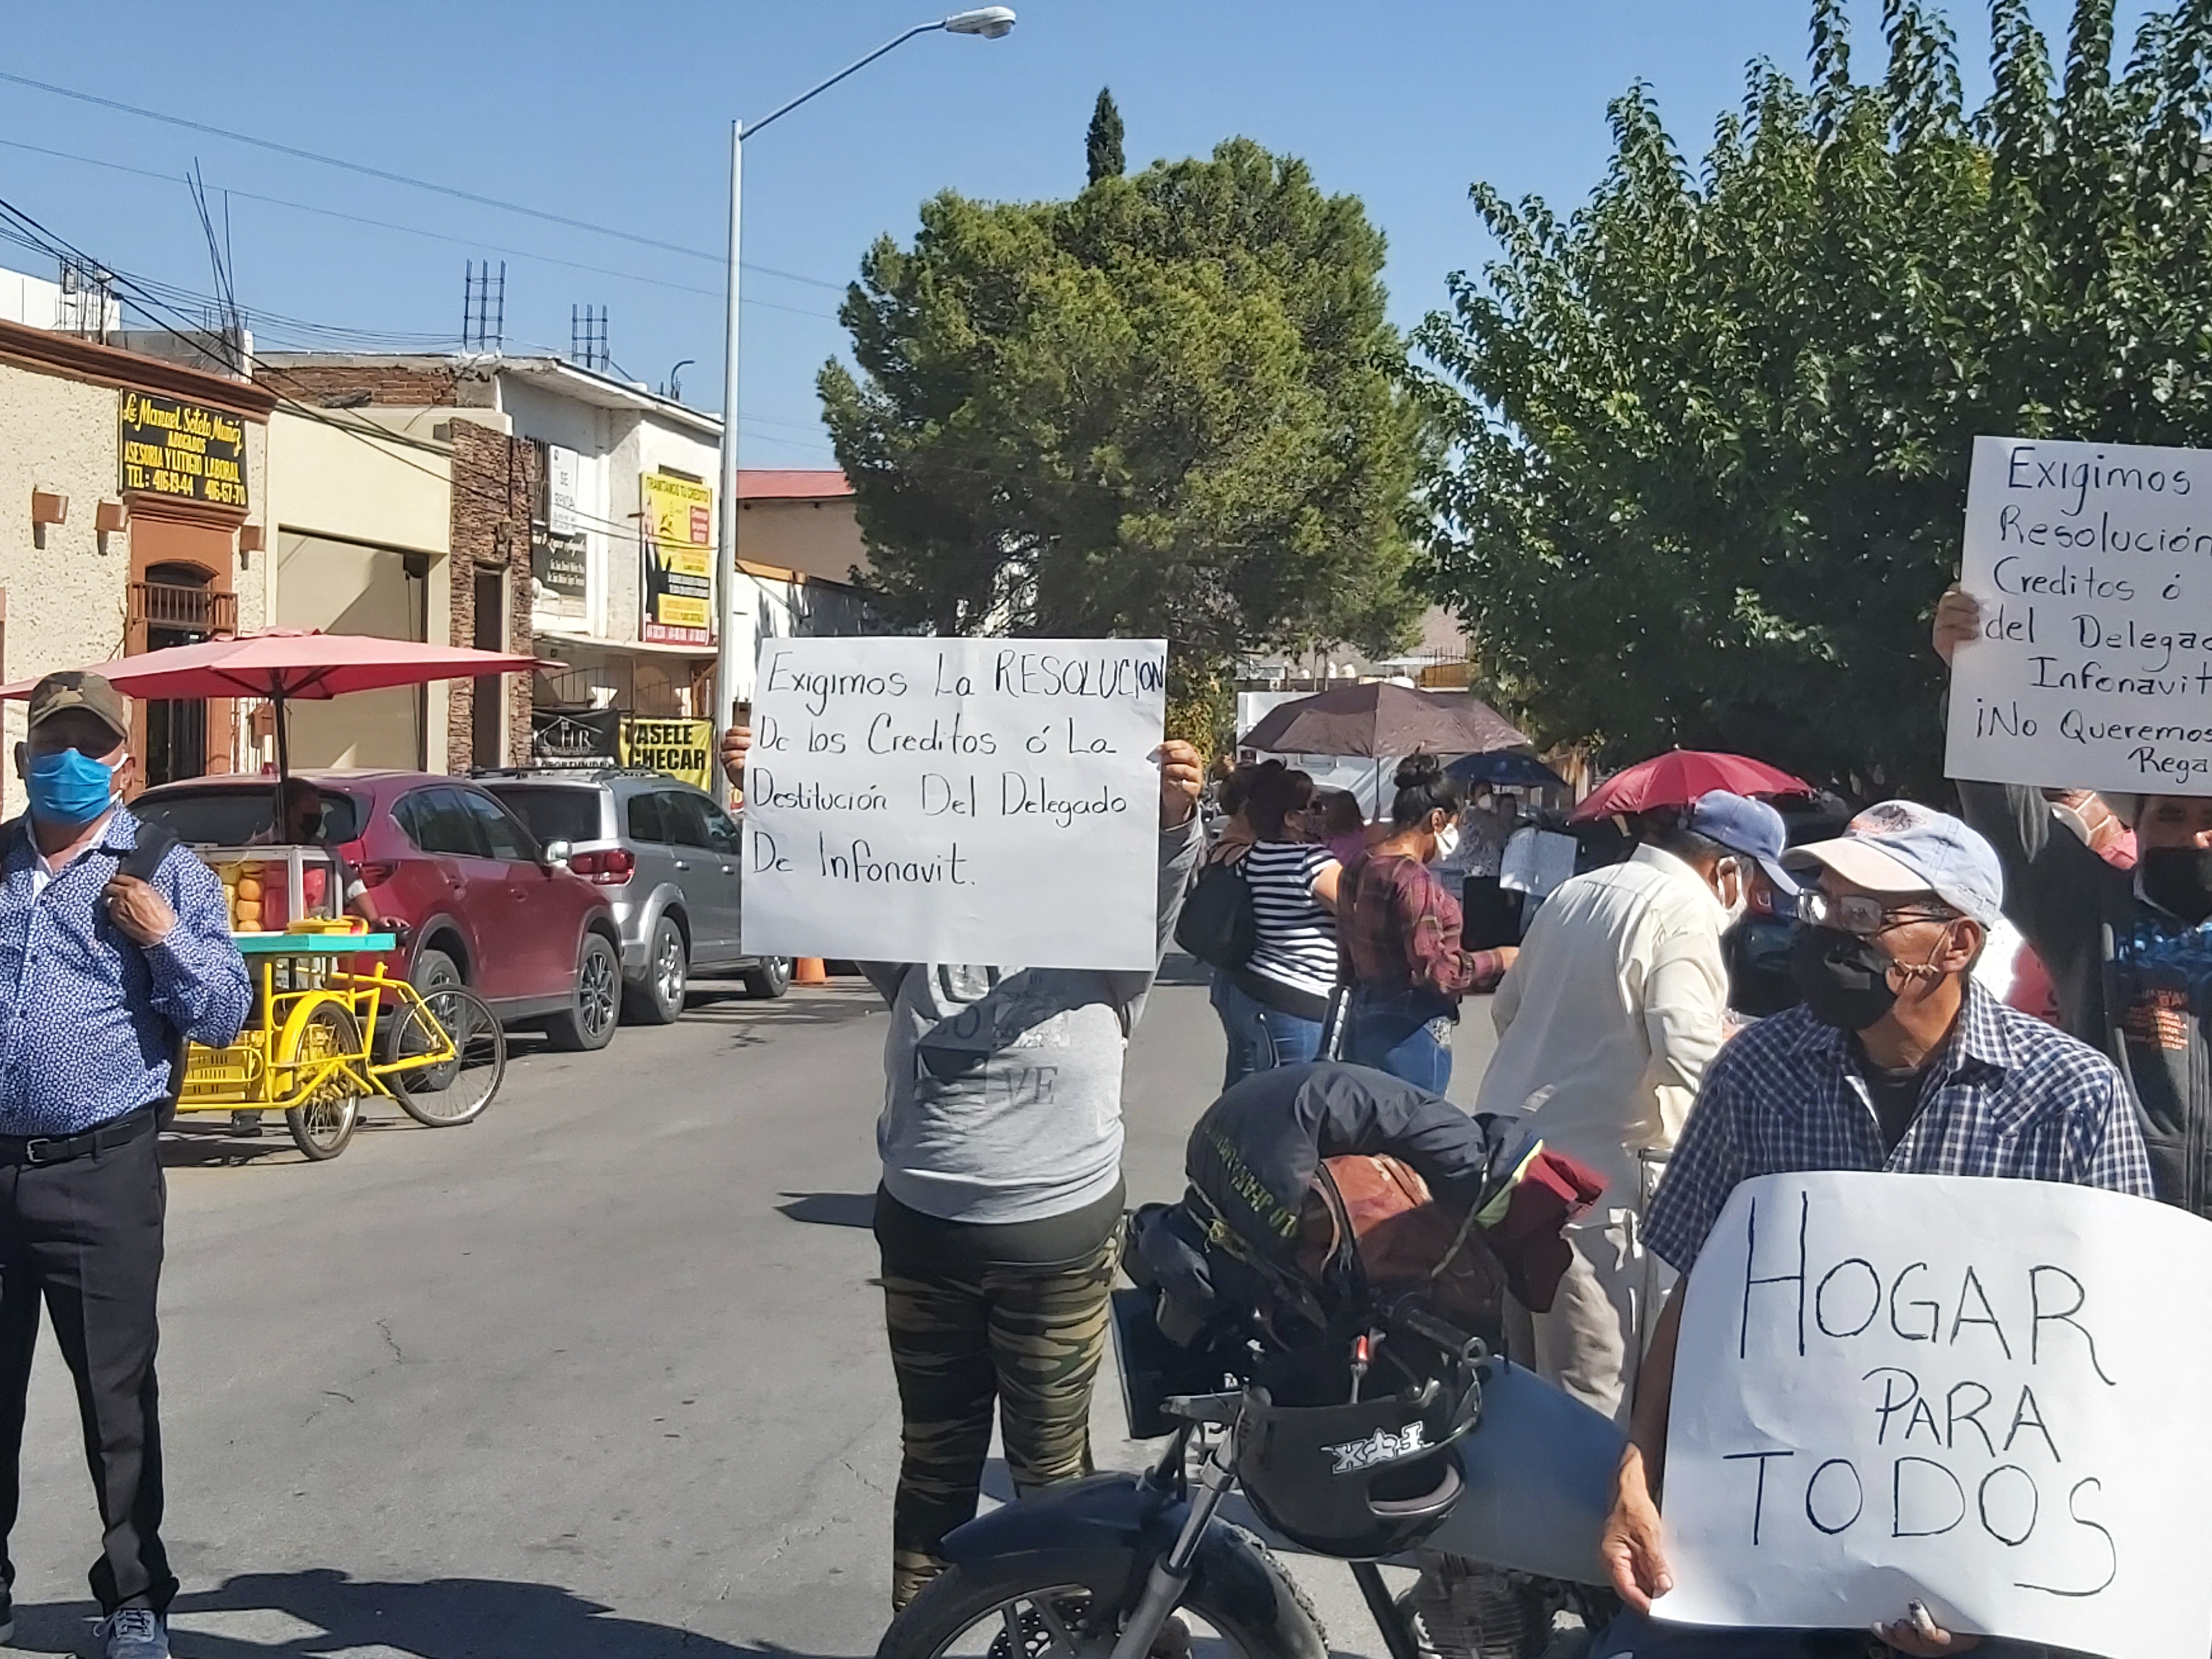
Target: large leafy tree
{"points": [[1709, 436], [1171, 406]]}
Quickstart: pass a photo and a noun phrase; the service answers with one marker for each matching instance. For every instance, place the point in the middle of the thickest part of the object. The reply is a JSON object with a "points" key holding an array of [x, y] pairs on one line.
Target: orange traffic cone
{"points": [[807, 970]]}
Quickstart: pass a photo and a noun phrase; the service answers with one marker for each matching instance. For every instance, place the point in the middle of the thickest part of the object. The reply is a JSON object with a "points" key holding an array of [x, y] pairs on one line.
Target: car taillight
{"points": [[609, 869]]}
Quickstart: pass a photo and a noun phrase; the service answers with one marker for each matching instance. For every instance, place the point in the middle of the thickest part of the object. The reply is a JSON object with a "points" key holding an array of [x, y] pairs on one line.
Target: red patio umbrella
{"points": [[1679, 777], [282, 664]]}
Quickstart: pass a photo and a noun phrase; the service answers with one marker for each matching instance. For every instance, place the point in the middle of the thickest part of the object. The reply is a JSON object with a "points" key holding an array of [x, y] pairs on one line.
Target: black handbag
{"points": [[1217, 924]]}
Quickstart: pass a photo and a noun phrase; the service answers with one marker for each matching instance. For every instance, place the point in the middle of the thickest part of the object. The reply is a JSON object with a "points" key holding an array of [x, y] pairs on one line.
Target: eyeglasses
{"points": [[1859, 914]]}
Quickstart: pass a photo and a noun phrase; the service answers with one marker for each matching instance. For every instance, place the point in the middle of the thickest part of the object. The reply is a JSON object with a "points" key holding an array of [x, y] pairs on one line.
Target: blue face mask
{"points": [[68, 788]]}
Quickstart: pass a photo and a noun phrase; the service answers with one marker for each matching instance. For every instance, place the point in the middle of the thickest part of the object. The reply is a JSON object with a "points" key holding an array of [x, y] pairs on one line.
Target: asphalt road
{"points": [[602, 1373]]}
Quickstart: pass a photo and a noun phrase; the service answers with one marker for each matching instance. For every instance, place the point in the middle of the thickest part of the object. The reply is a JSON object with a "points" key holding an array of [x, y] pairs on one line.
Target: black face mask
{"points": [[2179, 879], [1844, 978]]}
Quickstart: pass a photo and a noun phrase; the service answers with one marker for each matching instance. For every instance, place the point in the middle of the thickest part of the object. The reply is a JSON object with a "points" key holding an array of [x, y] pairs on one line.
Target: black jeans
{"points": [[85, 1237]]}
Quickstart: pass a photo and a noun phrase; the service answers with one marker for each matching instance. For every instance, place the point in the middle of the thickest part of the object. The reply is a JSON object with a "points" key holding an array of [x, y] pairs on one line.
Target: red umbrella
{"points": [[1679, 777], [283, 663]]}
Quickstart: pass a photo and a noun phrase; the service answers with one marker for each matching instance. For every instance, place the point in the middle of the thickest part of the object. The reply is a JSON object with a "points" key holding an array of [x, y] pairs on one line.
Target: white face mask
{"points": [[1447, 841]]}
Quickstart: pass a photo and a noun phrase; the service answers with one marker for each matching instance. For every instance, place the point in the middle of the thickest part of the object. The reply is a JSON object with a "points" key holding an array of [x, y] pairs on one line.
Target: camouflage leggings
{"points": [[1028, 1340]]}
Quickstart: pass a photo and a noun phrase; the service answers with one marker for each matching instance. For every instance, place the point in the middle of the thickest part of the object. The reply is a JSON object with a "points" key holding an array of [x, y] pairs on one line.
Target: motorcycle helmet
{"points": [[1352, 1464]]}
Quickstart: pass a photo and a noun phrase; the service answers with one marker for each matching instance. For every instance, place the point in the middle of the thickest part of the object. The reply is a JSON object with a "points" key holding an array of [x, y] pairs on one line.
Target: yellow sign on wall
{"points": [[678, 524], [184, 451], [682, 749]]}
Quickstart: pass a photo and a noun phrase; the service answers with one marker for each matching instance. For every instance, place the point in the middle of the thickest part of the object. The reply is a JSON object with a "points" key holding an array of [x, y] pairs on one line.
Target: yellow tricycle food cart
{"points": [[329, 1027]]}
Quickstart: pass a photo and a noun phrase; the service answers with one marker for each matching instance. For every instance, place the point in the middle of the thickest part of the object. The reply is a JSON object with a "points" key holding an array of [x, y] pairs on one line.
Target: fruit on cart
{"points": [[249, 887]]}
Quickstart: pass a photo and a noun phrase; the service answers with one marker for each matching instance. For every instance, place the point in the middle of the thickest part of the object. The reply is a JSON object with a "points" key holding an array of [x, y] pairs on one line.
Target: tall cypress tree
{"points": [[1103, 146]]}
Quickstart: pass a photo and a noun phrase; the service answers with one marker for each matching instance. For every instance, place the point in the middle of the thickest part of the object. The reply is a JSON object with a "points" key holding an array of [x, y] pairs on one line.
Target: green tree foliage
{"points": [[1170, 407], [1709, 436], [1101, 145]]}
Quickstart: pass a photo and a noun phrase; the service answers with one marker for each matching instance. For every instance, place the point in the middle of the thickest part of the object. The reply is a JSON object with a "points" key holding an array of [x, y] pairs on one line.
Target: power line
{"points": [[460, 241], [390, 177]]}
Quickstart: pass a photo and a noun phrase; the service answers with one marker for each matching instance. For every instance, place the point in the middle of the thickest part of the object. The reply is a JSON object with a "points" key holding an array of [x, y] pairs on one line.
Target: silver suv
{"points": [[669, 858]]}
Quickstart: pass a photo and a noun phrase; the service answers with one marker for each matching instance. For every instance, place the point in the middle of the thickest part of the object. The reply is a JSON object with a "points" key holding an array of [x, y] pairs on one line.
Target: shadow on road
{"points": [[214, 1143], [830, 1209], [300, 1615], [753, 1022]]}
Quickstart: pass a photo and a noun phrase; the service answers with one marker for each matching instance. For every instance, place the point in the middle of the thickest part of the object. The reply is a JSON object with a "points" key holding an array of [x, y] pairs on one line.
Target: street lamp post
{"points": [[735, 642]]}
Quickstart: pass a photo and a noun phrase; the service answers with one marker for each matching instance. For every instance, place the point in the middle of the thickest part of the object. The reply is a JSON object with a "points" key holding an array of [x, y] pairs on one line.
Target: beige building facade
{"points": [[133, 496]]}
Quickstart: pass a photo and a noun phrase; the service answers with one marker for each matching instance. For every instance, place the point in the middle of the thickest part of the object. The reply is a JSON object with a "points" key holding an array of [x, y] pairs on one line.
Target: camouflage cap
{"points": [[57, 694]]}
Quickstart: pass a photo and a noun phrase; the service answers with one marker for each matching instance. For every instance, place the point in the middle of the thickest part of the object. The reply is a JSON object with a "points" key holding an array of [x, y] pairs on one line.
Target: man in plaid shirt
{"points": [[1896, 1061]]}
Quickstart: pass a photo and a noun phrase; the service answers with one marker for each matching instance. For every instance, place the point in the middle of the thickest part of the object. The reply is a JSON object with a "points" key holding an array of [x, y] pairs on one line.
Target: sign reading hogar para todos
{"points": [[1986, 1396], [185, 452]]}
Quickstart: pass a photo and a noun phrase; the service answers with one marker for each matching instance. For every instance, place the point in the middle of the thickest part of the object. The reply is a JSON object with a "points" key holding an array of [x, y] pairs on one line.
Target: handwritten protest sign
{"points": [[956, 800], [2093, 563], [1985, 1394]]}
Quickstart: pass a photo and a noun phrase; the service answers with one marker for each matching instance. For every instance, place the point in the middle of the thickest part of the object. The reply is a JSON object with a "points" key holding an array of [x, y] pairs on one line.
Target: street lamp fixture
{"points": [[989, 22], [734, 662]]}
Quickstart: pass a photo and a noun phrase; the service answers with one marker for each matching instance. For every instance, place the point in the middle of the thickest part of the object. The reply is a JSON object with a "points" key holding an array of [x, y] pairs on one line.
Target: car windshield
{"points": [[232, 815], [554, 811]]}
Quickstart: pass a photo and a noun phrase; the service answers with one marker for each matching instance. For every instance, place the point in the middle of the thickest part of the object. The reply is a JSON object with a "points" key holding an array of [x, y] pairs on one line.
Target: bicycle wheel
{"points": [[322, 1124], [443, 1092]]}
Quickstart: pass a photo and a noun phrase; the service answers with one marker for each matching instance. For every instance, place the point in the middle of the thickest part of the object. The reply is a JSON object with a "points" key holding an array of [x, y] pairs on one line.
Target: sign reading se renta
{"points": [[186, 452], [1980, 1395], [956, 800], [2092, 566]]}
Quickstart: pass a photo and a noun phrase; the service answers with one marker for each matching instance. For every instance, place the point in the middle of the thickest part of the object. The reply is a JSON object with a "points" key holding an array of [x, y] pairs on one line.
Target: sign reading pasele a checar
{"points": [[956, 800]]}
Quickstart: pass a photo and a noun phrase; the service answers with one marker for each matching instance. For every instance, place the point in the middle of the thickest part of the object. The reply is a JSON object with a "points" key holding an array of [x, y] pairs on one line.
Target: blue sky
{"points": [[617, 116]]}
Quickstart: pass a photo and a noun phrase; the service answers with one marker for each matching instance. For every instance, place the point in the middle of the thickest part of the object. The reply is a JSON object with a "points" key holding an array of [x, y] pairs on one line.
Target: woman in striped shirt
{"points": [[1273, 1008]]}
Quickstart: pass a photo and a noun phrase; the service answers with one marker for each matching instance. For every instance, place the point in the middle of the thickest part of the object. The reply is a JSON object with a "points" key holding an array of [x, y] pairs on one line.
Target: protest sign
{"points": [[956, 800], [2093, 669], [1983, 1395]]}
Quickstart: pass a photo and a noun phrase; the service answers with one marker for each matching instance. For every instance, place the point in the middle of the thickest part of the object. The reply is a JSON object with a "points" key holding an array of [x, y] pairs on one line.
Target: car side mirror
{"points": [[555, 855]]}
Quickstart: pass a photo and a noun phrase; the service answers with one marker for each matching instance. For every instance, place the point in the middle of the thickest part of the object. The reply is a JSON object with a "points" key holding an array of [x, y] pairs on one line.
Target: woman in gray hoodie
{"points": [[999, 1214]]}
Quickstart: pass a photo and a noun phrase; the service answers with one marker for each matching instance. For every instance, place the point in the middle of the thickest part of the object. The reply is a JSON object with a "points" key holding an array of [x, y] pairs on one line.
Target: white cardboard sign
{"points": [[2093, 563], [956, 800], [1988, 1395]]}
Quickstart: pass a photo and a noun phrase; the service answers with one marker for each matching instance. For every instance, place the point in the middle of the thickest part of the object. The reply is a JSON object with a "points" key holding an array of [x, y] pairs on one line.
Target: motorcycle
{"points": [[1097, 1569]]}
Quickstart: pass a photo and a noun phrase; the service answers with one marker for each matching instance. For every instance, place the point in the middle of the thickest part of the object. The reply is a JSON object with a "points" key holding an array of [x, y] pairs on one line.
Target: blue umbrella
{"points": [[1502, 769]]}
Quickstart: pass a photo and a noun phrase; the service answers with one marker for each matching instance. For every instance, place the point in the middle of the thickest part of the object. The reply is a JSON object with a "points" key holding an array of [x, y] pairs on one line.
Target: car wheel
{"points": [[770, 980], [433, 968], [595, 1006], [659, 997]]}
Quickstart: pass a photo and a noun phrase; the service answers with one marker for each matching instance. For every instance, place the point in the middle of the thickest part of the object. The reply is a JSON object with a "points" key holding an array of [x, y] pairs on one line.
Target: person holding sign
{"points": [[999, 1215], [1896, 1061], [2128, 951]]}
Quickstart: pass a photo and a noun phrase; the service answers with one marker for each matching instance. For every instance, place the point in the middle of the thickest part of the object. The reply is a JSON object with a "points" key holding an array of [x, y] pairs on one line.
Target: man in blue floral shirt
{"points": [[109, 958]]}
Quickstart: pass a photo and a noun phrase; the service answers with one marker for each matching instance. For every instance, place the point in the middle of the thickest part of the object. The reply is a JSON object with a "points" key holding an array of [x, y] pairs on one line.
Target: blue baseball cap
{"points": [[1899, 847], [1746, 826]]}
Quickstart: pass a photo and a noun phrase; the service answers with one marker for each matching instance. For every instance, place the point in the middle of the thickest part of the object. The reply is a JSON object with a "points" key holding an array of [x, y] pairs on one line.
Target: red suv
{"points": [[481, 901]]}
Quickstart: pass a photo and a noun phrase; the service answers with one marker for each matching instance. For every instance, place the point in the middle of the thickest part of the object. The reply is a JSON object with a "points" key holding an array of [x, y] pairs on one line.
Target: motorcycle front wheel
{"points": [[1067, 1606]]}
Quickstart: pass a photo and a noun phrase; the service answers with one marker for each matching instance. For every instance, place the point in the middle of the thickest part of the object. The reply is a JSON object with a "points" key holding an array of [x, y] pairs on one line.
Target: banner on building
{"points": [[1977, 1395], [679, 560], [575, 737], [682, 749], [558, 557], [185, 452]]}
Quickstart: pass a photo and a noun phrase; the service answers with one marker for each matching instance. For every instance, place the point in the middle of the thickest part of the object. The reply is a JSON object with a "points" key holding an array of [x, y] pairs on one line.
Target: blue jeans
{"points": [[1396, 1031], [1259, 1037], [1631, 1636]]}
